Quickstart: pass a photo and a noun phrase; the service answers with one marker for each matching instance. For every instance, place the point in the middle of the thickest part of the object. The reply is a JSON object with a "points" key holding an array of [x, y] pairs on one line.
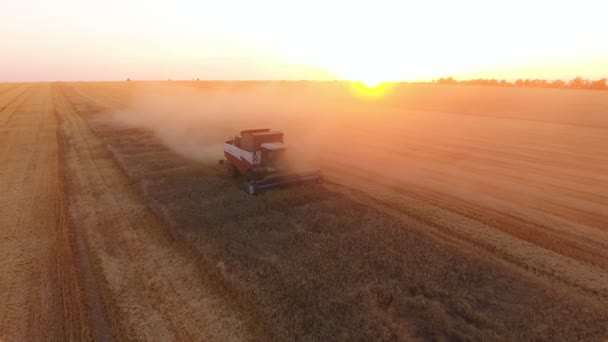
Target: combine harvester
{"points": [[259, 155]]}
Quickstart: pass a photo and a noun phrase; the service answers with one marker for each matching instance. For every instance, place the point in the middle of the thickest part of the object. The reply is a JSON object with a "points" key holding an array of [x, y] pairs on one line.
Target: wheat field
{"points": [[450, 212]]}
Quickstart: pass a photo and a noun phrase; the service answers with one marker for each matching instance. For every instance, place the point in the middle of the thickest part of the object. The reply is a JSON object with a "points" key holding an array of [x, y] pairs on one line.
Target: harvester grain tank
{"points": [[260, 156]]}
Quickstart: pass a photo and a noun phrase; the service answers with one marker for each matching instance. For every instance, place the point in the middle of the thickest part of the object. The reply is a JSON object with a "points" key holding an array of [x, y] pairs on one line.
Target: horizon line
{"points": [[434, 80]]}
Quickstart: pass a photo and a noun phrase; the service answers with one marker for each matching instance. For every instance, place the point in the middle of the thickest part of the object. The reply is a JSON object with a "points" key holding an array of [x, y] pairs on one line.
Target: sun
{"points": [[370, 74], [371, 82], [371, 90]]}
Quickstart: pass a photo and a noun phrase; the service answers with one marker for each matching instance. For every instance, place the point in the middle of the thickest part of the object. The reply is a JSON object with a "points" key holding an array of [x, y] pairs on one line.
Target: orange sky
{"points": [[269, 39]]}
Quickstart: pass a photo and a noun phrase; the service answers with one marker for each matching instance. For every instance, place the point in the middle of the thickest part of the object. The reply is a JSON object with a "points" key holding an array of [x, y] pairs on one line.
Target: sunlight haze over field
{"points": [[270, 39], [312, 170]]}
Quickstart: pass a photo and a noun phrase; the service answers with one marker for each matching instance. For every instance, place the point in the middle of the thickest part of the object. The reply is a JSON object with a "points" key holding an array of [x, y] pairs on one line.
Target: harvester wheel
{"points": [[231, 171], [250, 183], [251, 188]]}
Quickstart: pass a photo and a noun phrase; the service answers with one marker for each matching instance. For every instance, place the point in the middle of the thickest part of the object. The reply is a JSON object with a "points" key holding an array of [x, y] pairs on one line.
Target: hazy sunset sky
{"points": [[271, 39]]}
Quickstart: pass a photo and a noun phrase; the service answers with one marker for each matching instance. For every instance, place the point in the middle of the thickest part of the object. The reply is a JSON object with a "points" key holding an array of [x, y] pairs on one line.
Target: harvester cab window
{"points": [[272, 157]]}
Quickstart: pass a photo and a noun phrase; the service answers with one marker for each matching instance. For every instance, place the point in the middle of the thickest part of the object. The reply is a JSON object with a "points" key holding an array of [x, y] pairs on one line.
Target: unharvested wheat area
{"points": [[449, 212]]}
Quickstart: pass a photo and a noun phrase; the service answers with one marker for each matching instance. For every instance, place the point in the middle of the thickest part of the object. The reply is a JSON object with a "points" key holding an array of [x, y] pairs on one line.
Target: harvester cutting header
{"points": [[260, 155]]}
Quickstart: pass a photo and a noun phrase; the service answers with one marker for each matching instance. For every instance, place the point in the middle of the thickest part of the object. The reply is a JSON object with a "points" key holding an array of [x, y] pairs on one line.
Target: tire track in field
{"points": [[468, 229], [152, 288], [18, 94], [13, 87], [99, 326], [544, 216], [21, 96], [40, 284]]}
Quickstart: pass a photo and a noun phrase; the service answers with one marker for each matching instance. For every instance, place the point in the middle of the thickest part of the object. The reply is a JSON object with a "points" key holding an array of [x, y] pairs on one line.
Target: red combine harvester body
{"points": [[258, 154]]}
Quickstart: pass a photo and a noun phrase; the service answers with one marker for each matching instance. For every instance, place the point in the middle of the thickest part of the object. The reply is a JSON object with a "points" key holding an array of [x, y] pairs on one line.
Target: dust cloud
{"points": [[446, 143], [195, 122], [326, 124], [451, 139]]}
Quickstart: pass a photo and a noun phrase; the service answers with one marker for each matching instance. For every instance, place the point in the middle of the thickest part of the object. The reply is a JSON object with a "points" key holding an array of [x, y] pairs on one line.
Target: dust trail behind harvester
{"points": [[326, 124], [195, 122], [438, 141]]}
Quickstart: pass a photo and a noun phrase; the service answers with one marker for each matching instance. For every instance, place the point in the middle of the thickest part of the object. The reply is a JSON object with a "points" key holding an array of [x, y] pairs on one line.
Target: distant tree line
{"points": [[575, 83]]}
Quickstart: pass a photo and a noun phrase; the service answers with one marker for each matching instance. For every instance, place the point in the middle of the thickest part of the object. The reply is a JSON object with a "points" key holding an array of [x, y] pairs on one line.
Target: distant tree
{"points": [[128, 80], [586, 84], [557, 84], [449, 80], [599, 84], [537, 83], [577, 83]]}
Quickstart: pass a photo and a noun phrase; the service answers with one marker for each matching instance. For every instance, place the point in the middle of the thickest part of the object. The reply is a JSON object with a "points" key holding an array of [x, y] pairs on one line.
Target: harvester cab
{"points": [[260, 156]]}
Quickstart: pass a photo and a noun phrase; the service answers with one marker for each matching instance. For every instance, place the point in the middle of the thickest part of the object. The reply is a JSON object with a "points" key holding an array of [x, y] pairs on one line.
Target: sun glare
{"points": [[371, 82], [372, 90]]}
